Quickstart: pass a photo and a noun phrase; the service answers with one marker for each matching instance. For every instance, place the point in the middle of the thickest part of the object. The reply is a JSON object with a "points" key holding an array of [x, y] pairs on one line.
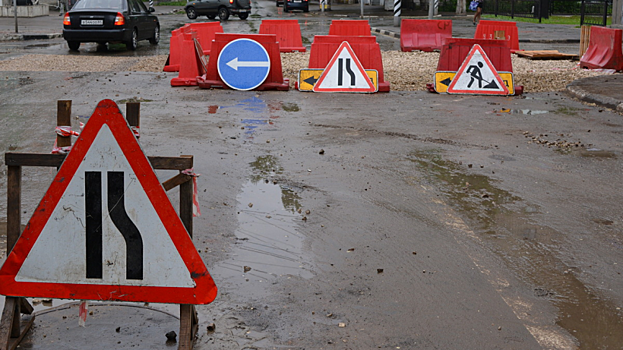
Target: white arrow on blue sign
{"points": [[243, 64]]}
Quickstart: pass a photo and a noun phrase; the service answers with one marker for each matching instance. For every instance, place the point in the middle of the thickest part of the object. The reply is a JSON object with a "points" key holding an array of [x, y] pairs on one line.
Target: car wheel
{"points": [[285, 6], [306, 9], [156, 37], [223, 14], [133, 43], [243, 15], [211, 16], [191, 13], [73, 45]]}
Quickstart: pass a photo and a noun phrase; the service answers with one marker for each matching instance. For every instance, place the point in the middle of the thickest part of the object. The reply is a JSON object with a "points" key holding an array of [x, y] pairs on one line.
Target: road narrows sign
{"points": [[477, 75], [106, 230], [243, 64], [344, 73]]}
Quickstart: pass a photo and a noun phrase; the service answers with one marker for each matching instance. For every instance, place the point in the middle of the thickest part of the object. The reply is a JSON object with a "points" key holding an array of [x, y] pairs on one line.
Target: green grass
{"points": [[171, 3], [571, 20]]}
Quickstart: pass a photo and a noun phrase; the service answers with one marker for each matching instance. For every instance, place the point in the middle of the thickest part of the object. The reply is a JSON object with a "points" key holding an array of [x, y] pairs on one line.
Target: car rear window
{"points": [[100, 4]]}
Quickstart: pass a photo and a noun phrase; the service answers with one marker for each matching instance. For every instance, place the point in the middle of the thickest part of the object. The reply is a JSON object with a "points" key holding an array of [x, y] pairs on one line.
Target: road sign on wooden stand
{"points": [[110, 234]]}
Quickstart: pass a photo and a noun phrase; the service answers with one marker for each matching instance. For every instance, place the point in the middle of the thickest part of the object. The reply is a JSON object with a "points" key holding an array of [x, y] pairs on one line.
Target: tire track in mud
{"points": [[530, 250]]}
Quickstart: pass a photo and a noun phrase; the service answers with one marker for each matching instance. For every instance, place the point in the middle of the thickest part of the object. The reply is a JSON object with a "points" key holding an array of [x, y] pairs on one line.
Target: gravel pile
{"points": [[406, 71]]}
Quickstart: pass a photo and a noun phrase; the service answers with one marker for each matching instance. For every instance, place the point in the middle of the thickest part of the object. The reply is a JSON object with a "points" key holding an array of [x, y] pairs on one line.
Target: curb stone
{"points": [[17, 36], [586, 96], [386, 32]]}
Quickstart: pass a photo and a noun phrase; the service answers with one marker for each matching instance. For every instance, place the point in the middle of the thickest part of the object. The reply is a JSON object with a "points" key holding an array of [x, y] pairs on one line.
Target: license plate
{"points": [[92, 22], [243, 10]]}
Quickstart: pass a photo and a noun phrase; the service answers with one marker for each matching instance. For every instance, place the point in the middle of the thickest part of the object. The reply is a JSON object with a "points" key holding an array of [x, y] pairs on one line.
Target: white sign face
{"points": [[477, 75], [344, 73], [103, 196]]}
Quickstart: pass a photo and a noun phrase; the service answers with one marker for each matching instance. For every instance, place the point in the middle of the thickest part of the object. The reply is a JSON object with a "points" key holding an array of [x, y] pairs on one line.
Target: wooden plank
{"points": [[25, 306], [585, 36], [55, 160], [133, 113], [171, 163], [63, 118], [14, 205], [26, 325], [176, 181], [545, 54], [186, 204], [186, 327], [6, 322]]}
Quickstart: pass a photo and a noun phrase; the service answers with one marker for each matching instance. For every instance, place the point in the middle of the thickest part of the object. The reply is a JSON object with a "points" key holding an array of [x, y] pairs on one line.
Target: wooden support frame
{"points": [[12, 329]]}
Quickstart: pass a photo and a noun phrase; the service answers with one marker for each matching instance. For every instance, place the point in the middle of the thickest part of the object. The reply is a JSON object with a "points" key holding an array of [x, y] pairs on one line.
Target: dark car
{"points": [[221, 8], [295, 5], [104, 21]]}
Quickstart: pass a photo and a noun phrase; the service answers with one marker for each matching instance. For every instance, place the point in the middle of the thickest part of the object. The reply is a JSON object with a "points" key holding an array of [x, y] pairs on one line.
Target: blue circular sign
{"points": [[243, 64]]}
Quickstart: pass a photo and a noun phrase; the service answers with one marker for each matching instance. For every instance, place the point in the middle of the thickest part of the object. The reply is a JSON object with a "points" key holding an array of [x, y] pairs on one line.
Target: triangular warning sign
{"points": [[344, 73], [477, 76], [106, 230]]}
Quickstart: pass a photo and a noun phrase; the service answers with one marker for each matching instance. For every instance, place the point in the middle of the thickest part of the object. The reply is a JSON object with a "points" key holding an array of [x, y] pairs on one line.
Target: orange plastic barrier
{"points": [[350, 27], [604, 49], [486, 30], [366, 48], [190, 62], [455, 50], [274, 80], [424, 34], [205, 33], [288, 33], [173, 61]]}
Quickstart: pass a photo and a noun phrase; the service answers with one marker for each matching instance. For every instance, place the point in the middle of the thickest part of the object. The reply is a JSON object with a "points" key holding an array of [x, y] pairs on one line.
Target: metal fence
{"points": [[593, 12]]}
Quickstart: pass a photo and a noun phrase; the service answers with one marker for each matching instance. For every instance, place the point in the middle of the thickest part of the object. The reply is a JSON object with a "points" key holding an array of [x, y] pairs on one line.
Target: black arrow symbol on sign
{"points": [[311, 80], [446, 81]]}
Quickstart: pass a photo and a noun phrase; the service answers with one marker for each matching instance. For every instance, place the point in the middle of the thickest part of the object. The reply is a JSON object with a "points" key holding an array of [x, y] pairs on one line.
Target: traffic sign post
{"points": [[477, 76], [344, 73], [308, 78], [243, 64], [104, 199]]}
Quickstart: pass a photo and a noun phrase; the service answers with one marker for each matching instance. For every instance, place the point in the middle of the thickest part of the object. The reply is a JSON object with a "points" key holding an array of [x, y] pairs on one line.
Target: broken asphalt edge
{"points": [[575, 89], [18, 36]]}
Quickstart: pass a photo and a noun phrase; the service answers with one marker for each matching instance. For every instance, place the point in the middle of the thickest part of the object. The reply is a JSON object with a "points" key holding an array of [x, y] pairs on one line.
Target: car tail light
{"points": [[66, 20], [119, 19], [231, 1]]}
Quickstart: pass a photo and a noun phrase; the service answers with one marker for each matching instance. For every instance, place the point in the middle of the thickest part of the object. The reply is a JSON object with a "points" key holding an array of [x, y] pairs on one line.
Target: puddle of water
{"points": [[595, 152], [528, 111], [268, 245], [528, 249]]}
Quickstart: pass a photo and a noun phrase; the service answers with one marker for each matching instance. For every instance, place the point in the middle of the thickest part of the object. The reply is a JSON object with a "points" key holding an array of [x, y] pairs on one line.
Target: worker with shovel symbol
{"points": [[476, 74]]}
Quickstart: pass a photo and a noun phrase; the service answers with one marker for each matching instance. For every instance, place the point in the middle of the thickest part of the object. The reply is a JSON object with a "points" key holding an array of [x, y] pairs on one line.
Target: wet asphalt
{"points": [[401, 220]]}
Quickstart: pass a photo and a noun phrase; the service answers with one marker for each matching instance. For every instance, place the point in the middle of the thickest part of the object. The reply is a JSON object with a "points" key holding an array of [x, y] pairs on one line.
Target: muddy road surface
{"points": [[399, 220]]}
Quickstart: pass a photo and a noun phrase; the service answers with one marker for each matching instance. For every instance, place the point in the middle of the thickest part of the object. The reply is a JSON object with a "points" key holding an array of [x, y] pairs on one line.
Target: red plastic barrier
{"points": [[424, 34], [455, 50], [486, 30], [365, 47], [350, 27], [189, 64], [604, 49], [274, 80], [205, 33], [173, 62], [288, 33]]}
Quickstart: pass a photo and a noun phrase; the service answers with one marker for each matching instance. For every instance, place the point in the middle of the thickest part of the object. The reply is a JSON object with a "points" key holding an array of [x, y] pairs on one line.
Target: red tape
{"points": [[66, 131], [196, 209]]}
